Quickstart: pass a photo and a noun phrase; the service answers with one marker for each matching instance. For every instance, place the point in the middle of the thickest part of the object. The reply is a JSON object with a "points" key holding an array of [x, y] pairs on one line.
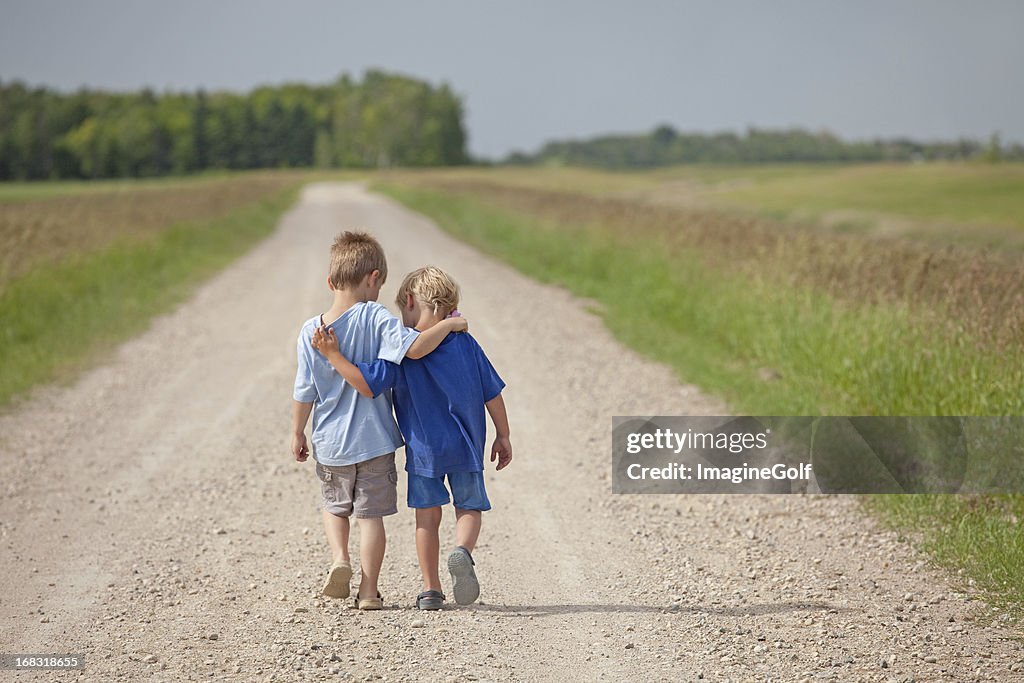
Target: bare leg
{"points": [[428, 521], [372, 542], [337, 529], [467, 528]]}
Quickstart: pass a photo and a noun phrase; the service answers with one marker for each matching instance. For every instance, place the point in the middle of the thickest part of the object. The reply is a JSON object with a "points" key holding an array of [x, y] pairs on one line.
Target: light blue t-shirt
{"points": [[348, 427]]}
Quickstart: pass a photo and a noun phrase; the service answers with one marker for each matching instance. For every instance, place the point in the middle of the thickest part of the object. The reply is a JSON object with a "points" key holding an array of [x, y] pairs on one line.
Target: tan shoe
{"points": [[338, 579], [370, 603]]}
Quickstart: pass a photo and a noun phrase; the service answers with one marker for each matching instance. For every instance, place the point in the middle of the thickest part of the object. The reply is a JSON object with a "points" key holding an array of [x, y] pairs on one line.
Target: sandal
{"points": [[430, 600], [337, 584], [465, 585], [370, 603]]}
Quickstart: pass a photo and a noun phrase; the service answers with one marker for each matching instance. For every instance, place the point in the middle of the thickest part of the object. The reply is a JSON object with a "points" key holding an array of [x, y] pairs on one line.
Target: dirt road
{"points": [[153, 519]]}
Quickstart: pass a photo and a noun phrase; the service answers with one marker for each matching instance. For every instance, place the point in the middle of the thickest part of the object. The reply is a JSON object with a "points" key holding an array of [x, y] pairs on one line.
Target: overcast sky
{"points": [[532, 71]]}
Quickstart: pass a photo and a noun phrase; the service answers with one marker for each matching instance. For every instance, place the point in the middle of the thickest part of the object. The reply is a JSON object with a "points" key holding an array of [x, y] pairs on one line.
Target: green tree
{"points": [[386, 119]]}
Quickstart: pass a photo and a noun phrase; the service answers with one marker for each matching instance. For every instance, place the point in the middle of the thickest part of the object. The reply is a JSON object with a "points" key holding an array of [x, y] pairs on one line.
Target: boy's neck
{"points": [[344, 299], [427, 320]]}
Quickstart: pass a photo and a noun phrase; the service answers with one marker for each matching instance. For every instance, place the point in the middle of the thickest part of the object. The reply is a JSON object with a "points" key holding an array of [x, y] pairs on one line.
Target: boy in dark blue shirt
{"points": [[439, 402]]}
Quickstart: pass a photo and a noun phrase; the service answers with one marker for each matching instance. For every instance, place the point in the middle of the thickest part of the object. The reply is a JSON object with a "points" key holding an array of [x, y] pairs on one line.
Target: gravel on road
{"points": [[153, 519]]}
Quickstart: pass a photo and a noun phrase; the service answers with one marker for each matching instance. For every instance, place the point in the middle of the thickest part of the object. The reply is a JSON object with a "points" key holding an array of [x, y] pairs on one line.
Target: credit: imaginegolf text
{"points": [[737, 475], [825, 454]]}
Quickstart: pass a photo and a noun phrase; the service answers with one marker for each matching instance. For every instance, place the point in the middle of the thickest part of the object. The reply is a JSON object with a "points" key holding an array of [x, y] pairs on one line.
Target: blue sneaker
{"points": [[465, 586]]}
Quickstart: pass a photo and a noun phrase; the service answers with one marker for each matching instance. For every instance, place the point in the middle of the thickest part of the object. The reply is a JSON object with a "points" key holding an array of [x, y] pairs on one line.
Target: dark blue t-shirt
{"points": [[439, 402]]}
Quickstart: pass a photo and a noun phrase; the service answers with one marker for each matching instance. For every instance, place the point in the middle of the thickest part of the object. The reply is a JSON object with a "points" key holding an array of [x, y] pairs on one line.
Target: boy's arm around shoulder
{"points": [[430, 339], [327, 343], [369, 379], [398, 341]]}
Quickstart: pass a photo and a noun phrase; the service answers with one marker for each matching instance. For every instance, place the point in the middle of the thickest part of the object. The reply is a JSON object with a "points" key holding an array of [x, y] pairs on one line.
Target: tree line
{"points": [[383, 120], [666, 146]]}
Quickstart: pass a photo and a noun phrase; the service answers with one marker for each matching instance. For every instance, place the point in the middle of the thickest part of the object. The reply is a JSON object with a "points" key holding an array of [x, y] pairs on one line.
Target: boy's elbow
{"points": [[366, 392]]}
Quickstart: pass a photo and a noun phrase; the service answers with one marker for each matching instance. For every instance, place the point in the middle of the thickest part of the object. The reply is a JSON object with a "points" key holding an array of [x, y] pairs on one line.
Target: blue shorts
{"points": [[467, 491]]}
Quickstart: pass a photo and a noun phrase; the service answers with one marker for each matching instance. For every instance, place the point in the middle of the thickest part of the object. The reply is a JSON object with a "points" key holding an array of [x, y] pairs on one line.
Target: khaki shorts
{"points": [[366, 489]]}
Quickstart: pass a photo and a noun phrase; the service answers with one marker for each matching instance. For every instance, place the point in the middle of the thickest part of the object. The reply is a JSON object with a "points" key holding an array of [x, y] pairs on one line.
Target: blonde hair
{"points": [[432, 287], [354, 255]]}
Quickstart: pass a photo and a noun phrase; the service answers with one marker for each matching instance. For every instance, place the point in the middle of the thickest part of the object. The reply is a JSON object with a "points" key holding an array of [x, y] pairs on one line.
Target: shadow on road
{"points": [[741, 611]]}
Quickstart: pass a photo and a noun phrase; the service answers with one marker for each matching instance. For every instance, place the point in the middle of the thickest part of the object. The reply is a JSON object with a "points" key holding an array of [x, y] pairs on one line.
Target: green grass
{"points": [[98, 299], [956, 202], [16, 191], [46, 189], [720, 329], [961, 194], [979, 535]]}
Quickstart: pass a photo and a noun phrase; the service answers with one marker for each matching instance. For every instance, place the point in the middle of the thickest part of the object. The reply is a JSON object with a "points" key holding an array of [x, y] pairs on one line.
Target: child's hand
{"points": [[502, 452], [325, 341], [457, 324], [299, 448]]}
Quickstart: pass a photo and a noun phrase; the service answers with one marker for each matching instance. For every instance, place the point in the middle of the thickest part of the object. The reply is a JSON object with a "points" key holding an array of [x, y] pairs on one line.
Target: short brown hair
{"points": [[432, 287], [354, 255]]}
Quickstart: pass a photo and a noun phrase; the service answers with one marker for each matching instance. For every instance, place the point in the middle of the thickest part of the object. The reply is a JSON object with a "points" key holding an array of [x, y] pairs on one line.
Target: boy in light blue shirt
{"points": [[354, 437], [440, 402]]}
